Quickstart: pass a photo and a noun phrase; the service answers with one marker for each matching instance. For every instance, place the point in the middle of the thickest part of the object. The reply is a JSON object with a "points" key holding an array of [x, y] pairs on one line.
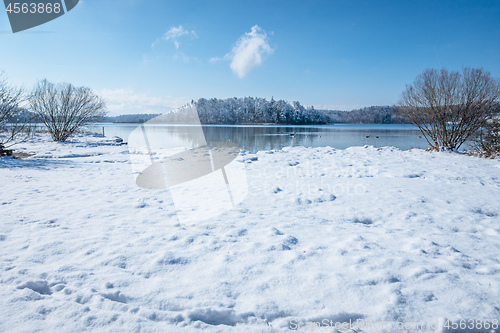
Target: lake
{"points": [[266, 137]]}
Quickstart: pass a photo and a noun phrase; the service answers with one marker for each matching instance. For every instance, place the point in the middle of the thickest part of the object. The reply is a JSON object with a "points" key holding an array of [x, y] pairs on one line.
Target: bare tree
{"points": [[10, 125], [487, 140], [64, 108], [450, 107]]}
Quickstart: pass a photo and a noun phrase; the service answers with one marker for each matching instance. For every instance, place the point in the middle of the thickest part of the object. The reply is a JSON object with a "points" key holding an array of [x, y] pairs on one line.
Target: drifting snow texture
{"points": [[361, 233]]}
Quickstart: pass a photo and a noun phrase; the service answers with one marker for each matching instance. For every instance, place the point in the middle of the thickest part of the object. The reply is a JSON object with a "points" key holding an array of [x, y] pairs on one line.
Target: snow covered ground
{"points": [[324, 237]]}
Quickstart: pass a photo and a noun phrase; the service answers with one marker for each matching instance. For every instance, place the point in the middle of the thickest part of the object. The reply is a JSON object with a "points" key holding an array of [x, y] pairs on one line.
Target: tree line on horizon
{"points": [[219, 111], [255, 110]]}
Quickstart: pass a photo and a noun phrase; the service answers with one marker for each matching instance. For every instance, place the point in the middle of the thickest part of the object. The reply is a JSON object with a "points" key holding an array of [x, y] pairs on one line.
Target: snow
{"points": [[369, 234]]}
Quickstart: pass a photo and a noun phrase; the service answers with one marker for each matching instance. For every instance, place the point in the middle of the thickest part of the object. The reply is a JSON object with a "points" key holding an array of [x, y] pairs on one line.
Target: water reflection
{"points": [[255, 138]]}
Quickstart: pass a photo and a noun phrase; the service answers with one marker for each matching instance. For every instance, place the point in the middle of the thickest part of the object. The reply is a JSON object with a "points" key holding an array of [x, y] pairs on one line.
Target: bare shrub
{"points": [[11, 127], [450, 107], [487, 141], [64, 108]]}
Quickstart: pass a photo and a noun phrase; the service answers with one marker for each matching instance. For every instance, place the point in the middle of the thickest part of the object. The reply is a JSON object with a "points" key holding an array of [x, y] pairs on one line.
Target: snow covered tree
{"points": [[251, 110], [64, 108], [450, 107]]}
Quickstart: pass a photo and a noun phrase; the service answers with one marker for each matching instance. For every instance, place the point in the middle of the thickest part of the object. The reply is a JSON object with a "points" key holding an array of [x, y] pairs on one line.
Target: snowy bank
{"points": [[324, 236]]}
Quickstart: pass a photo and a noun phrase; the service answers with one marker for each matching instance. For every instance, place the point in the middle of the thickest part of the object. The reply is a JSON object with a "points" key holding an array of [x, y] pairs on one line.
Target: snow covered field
{"points": [[324, 236]]}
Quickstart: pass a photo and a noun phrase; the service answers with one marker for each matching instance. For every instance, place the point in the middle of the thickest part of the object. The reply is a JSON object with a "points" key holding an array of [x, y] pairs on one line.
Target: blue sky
{"points": [[155, 55]]}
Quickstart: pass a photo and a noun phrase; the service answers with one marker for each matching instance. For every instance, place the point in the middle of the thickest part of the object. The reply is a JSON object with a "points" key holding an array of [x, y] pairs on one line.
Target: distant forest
{"points": [[250, 110]]}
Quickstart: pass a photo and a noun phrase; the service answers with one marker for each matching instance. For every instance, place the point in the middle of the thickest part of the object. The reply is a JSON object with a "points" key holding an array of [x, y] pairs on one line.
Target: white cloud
{"points": [[215, 59], [127, 101], [174, 33], [248, 52]]}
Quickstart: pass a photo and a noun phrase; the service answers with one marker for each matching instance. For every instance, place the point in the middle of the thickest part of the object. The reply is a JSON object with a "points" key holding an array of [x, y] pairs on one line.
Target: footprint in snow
{"points": [[41, 287], [365, 221], [141, 205], [275, 231], [117, 296], [288, 243]]}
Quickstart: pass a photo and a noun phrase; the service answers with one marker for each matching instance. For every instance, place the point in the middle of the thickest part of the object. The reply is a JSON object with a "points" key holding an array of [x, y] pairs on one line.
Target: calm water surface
{"points": [[255, 138]]}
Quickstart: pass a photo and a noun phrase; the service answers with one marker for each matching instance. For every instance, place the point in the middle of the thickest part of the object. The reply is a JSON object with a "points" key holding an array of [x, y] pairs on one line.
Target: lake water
{"points": [[254, 138]]}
